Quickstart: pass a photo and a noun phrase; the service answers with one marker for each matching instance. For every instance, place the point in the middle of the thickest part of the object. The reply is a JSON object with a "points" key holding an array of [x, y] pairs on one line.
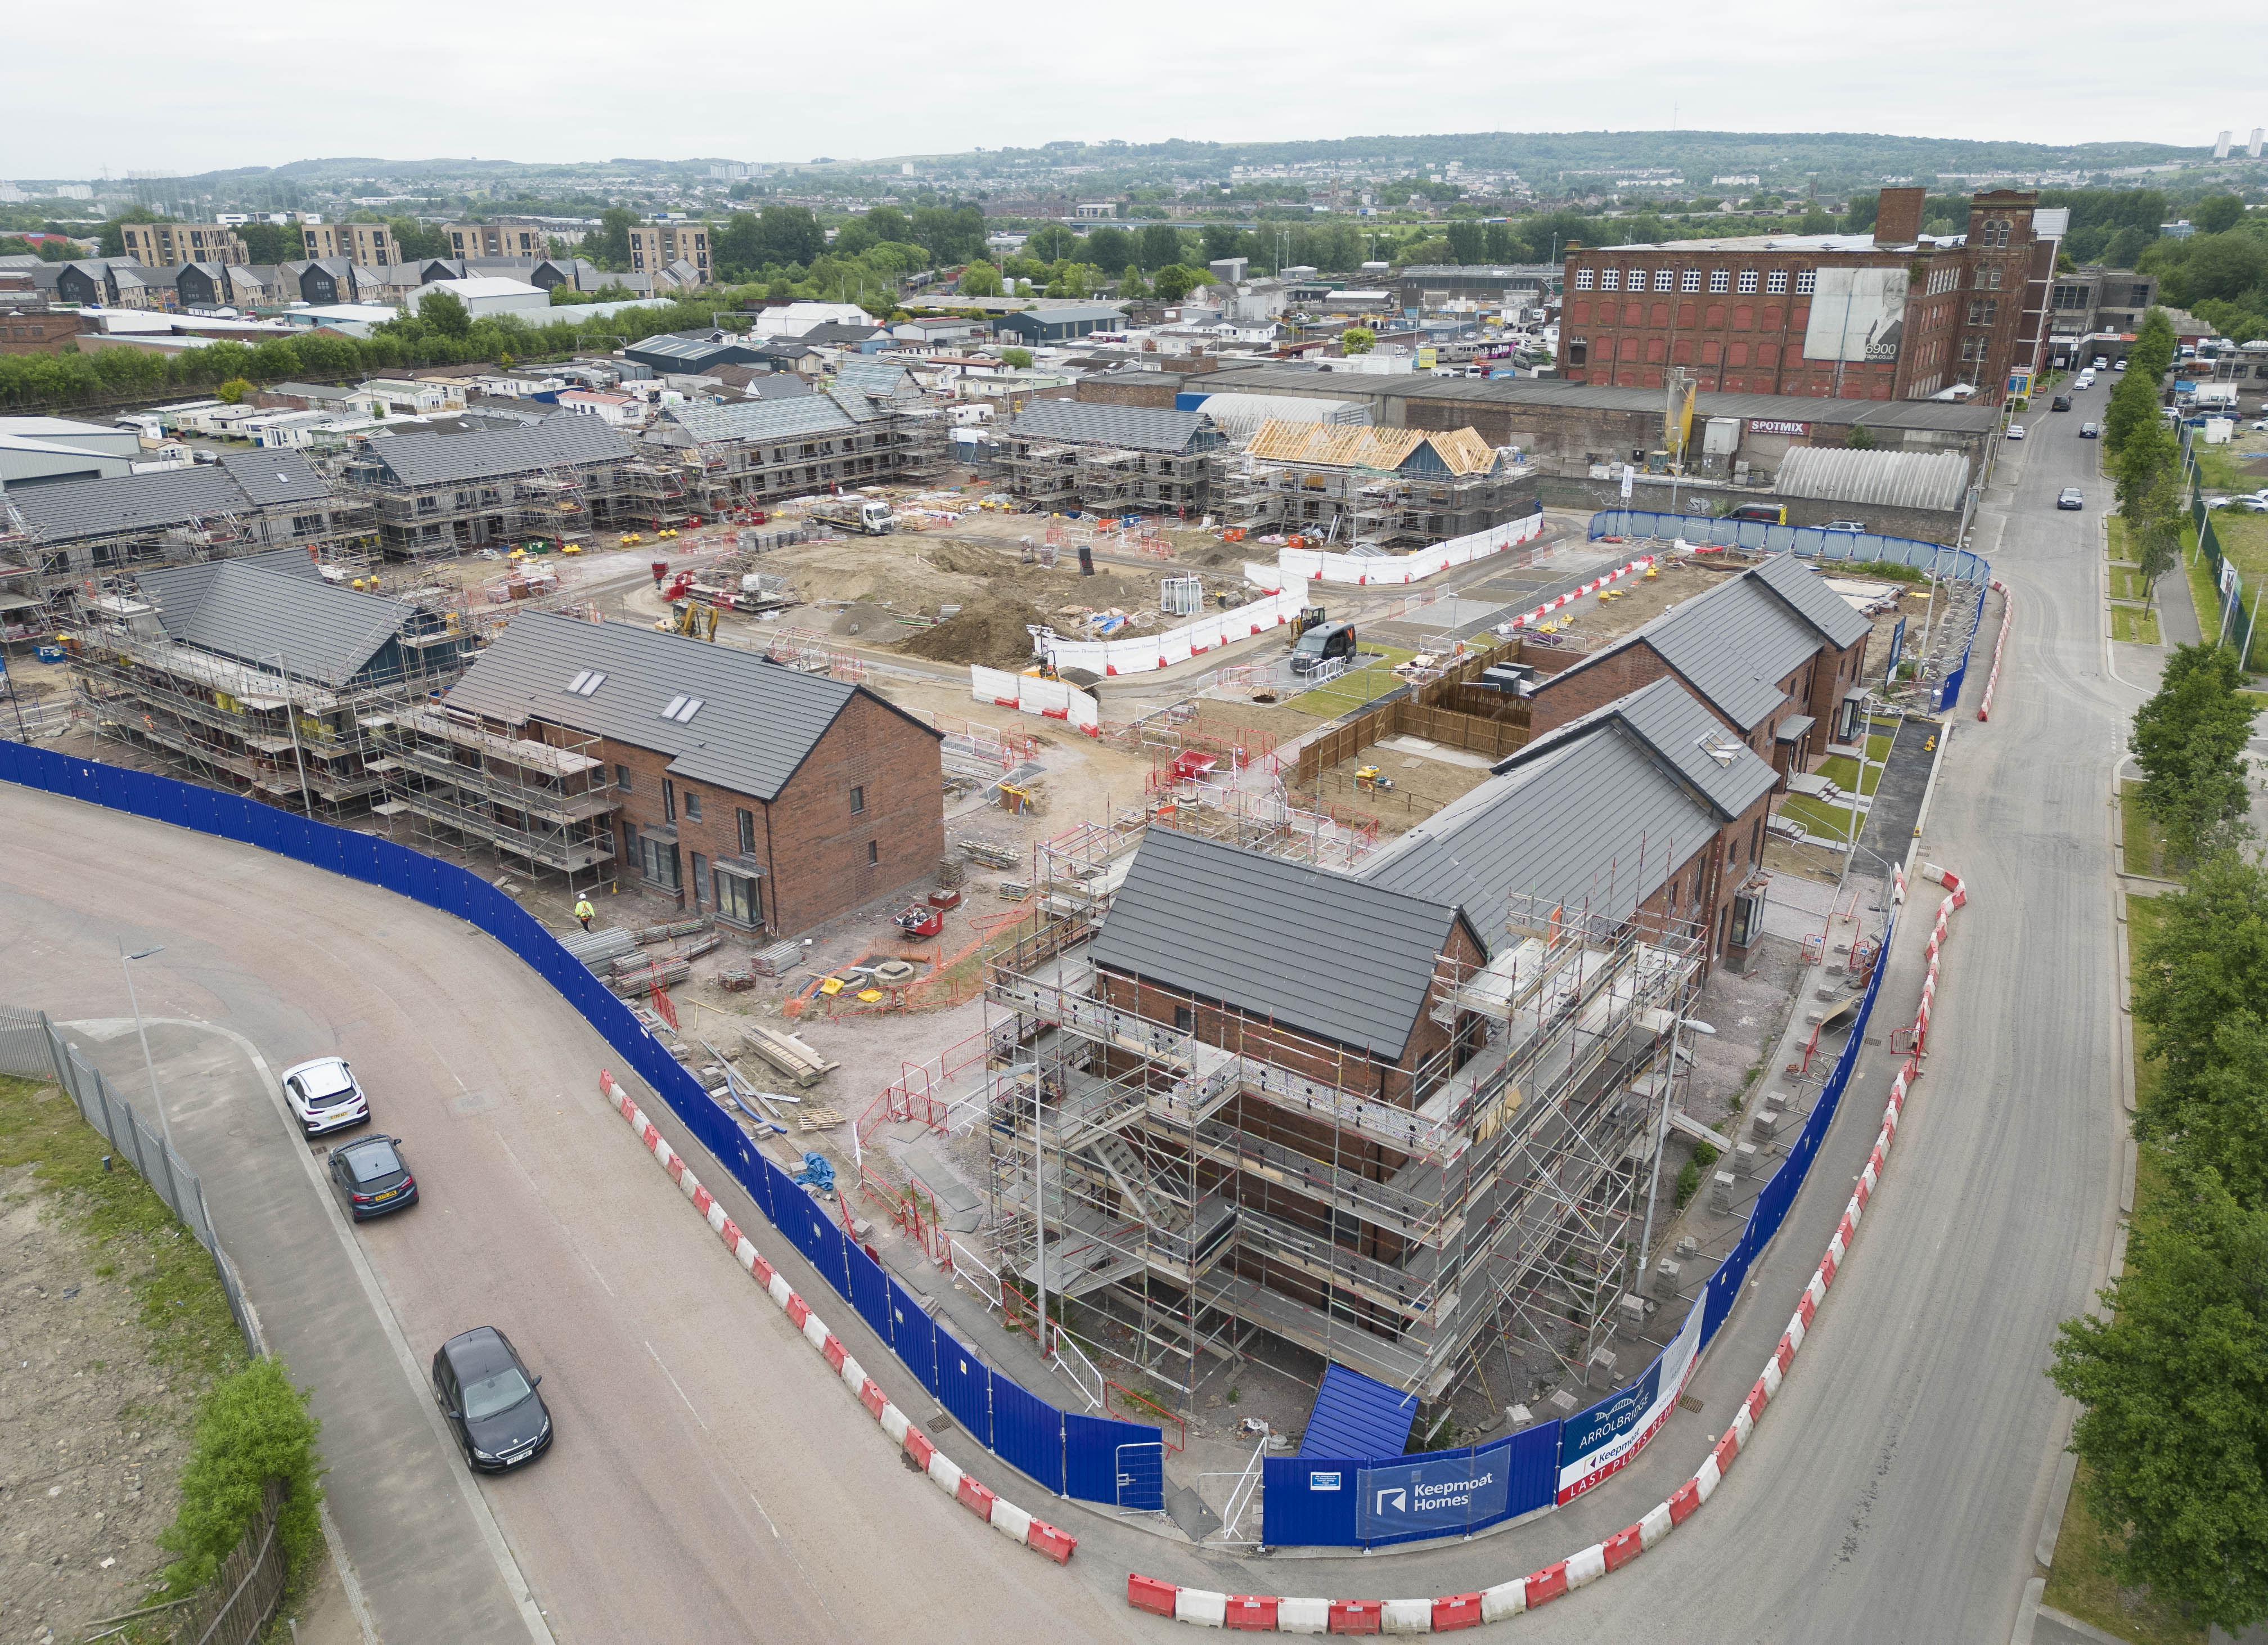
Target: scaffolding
{"points": [[442, 517], [1045, 473], [1194, 1181], [549, 805]]}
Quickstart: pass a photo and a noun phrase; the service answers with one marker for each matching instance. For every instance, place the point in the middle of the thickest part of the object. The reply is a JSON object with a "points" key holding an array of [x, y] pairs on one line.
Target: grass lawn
{"points": [[1356, 687], [2126, 584], [2079, 1582], [2202, 593], [2217, 467], [2144, 853], [1821, 821], [2131, 623], [1843, 773], [2118, 538]]}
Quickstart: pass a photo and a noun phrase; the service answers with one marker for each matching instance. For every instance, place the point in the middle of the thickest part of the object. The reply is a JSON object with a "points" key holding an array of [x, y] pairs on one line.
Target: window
{"points": [[858, 800], [659, 862], [738, 896], [1582, 279], [747, 832], [1807, 283], [1748, 281], [585, 683], [1610, 279], [873, 853], [1992, 279], [623, 778], [692, 807], [681, 708], [668, 801], [1665, 279], [1689, 280], [1185, 1019], [700, 874], [1721, 280], [1776, 282]]}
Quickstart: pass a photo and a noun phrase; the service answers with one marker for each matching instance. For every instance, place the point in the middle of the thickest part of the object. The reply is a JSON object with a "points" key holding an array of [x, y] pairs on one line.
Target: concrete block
{"points": [[1600, 1373], [1720, 1193], [1766, 1126], [1517, 1417], [1744, 1158], [1562, 1404], [1687, 1247], [1665, 1275], [1631, 1314]]}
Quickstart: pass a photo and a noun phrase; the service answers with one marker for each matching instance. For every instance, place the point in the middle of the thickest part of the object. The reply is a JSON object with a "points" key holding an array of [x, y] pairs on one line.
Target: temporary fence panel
{"points": [[1141, 1479], [1029, 694], [1808, 542], [913, 1335], [1603, 1440], [870, 1293], [1309, 1501], [1027, 1433], [1359, 570], [1148, 652], [1091, 1455], [964, 1386]]}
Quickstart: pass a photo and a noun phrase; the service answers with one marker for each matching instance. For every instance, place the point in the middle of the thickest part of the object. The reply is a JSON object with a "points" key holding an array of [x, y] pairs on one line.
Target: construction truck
{"points": [[867, 516]]}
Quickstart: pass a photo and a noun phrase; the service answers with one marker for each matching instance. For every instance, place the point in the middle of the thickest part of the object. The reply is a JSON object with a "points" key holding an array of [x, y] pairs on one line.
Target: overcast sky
{"points": [[576, 80]]}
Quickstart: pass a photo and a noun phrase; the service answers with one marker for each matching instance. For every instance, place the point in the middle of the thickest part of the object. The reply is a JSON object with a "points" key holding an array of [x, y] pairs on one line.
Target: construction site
{"points": [[1369, 488]]}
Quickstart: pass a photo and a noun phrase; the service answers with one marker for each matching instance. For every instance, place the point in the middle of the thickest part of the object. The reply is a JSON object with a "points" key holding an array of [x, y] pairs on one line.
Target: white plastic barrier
{"points": [[1028, 694], [1359, 570], [1147, 653]]}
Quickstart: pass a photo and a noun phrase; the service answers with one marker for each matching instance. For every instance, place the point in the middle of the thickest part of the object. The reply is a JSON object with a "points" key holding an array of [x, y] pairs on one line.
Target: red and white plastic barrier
{"points": [[2008, 616], [1004, 1517], [1586, 1566], [1029, 694], [1145, 654], [1645, 562], [1388, 570]]}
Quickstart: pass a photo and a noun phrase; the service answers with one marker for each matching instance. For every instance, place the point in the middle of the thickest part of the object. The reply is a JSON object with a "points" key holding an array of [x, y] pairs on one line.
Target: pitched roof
{"points": [[1343, 445], [1058, 314], [1313, 950], [755, 724], [258, 611], [1885, 479], [68, 509], [1735, 643], [759, 419], [434, 460], [1599, 813], [1143, 428]]}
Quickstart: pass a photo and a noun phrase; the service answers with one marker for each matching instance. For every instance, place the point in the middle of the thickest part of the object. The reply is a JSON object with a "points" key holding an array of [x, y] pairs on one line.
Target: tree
{"points": [[2217, 214], [1174, 282], [1357, 340], [2133, 407], [1110, 250], [2190, 741], [888, 223], [1467, 243], [1051, 242], [1815, 221], [855, 237], [252, 1427], [1223, 241], [1020, 358], [443, 312], [274, 242], [417, 242], [233, 391], [739, 246], [980, 279], [790, 236], [2153, 353], [1160, 246], [1129, 284], [610, 247], [1499, 243], [2174, 1431], [1861, 437], [2223, 267]]}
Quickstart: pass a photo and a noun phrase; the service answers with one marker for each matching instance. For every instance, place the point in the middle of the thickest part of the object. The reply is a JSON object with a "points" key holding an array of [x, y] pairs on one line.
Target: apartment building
{"points": [[654, 247], [170, 245], [371, 244], [523, 241]]}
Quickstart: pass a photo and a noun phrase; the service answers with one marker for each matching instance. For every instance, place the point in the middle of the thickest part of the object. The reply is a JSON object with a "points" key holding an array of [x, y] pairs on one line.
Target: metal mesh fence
{"points": [[34, 1049]]}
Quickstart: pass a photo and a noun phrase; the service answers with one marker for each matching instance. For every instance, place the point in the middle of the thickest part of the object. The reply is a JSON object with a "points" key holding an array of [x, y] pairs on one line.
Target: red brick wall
{"points": [[1565, 697]]}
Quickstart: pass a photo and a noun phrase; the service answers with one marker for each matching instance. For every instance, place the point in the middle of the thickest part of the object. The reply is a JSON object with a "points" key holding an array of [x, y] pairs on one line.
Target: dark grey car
{"points": [[491, 1401]]}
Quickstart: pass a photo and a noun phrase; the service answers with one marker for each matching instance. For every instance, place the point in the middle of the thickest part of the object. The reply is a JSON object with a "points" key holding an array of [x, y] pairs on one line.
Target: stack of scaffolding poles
{"points": [[1447, 1612]]}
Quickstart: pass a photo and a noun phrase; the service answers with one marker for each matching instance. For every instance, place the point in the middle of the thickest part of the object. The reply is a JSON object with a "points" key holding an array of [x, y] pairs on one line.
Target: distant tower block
{"points": [[2221, 146], [2254, 151]]}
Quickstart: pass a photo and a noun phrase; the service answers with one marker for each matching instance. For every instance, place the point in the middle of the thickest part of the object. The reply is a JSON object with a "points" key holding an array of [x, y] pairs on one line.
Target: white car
{"points": [[2260, 427], [2015, 430], [324, 1096]]}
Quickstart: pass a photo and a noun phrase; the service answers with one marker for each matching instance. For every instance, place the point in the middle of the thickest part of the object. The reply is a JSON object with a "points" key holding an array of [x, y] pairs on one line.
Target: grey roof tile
{"points": [[1795, 582], [757, 723], [432, 459], [1313, 950], [259, 610], [241, 481], [1143, 428], [758, 420]]}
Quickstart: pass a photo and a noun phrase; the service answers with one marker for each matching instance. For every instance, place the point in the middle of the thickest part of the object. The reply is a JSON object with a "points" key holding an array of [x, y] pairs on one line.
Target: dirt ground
{"points": [[1421, 787], [1636, 600]]}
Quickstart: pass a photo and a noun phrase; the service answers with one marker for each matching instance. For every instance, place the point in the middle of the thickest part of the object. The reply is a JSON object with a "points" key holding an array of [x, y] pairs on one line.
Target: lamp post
{"points": [[125, 965]]}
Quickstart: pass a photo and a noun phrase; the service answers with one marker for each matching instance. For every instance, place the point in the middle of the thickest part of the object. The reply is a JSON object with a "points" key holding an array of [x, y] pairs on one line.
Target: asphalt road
{"points": [[710, 1477]]}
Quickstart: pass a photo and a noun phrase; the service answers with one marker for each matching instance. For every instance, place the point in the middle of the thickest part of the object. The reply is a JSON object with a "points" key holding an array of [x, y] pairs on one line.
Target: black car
{"points": [[2061, 402], [490, 1400], [372, 1176]]}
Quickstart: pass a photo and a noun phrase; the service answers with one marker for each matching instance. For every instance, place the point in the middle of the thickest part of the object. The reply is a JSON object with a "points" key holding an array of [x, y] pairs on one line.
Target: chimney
{"points": [[1897, 216]]}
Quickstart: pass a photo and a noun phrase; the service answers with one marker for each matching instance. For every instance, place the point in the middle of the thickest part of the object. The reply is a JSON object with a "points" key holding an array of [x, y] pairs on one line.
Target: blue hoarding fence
{"points": [[1811, 543], [1070, 1454]]}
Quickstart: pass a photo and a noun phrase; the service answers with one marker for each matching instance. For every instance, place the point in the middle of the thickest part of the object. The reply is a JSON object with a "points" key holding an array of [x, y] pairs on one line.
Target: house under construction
{"points": [[869, 426], [561, 480], [1111, 459], [256, 674], [1383, 488], [1396, 1118]]}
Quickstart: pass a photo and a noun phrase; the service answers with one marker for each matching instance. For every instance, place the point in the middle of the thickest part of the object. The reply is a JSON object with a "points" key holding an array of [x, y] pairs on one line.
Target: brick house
{"points": [[771, 799], [1773, 653]]}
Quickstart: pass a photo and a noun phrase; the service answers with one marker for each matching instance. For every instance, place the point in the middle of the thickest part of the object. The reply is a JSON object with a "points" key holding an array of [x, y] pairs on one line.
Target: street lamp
{"points": [[164, 1125]]}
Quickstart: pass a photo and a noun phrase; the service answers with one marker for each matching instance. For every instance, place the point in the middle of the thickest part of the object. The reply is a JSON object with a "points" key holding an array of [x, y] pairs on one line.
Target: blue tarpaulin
{"points": [[1358, 1416]]}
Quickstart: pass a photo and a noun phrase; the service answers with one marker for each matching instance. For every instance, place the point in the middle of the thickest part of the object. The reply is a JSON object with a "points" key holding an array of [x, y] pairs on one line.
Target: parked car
{"points": [[1760, 513], [2061, 402], [324, 1096], [372, 1176], [2260, 426], [485, 1389], [2090, 431], [1859, 526], [2070, 498], [2015, 430], [2118, 364], [2100, 361], [2250, 505]]}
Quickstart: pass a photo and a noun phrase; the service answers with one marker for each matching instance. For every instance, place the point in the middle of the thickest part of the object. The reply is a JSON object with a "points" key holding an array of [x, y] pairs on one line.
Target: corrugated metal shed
{"points": [[756, 723], [1595, 816], [1313, 951], [435, 459], [1802, 587], [1887, 479], [1358, 1416], [1142, 428], [261, 613]]}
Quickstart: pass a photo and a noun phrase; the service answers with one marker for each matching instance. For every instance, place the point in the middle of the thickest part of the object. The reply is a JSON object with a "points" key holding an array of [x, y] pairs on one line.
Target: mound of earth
{"points": [[990, 631]]}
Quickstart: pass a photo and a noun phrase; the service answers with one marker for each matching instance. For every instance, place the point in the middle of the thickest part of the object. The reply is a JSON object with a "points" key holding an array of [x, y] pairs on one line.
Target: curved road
{"points": [[712, 1479]]}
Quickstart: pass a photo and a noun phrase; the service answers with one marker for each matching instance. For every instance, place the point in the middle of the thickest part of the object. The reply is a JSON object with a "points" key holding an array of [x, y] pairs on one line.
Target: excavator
{"points": [[691, 619]]}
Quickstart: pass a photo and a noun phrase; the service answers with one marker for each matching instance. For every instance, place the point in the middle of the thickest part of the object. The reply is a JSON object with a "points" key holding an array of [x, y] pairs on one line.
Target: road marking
{"points": [[382, 1305]]}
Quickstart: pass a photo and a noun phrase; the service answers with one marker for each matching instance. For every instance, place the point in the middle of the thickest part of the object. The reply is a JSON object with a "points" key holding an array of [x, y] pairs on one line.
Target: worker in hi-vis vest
{"points": [[584, 911]]}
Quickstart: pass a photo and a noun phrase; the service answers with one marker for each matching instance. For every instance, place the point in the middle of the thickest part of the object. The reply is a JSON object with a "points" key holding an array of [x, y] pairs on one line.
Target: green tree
{"points": [[1051, 242], [1130, 285], [443, 312], [1815, 221], [1110, 250], [1173, 282], [252, 1427], [2217, 214], [1499, 243], [610, 247], [1223, 241], [2205, 970], [1468, 242], [2133, 408], [2190, 741], [2153, 353], [889, 224], [233, 391], [980, 279], [2174, 1387], [1020, 358], [417, 240], [855, 237], [791, 236], [1161, 247], [1357, 340], [1861, 437], [739, 246]]}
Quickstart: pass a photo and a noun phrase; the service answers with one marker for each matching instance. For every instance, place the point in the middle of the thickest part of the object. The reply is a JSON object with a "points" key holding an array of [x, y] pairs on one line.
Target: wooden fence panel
{"points": [[244, 1596]]}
